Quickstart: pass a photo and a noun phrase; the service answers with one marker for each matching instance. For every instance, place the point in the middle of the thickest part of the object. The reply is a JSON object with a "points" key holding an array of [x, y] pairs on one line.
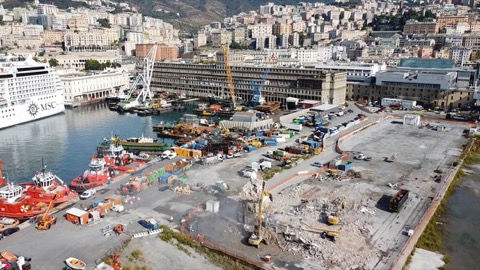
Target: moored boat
{"points": [[75, 263], [6, 223], [45, 185], [98, 174], [14, 203]]}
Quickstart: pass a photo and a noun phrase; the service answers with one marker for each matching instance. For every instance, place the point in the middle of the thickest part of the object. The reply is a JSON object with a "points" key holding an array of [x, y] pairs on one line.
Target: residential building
{"points": [[460, 55], [163, 51], [420, 28]]}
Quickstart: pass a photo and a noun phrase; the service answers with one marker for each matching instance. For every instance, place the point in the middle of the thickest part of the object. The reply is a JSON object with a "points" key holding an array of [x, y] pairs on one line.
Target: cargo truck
{"points": [[398, 200]]}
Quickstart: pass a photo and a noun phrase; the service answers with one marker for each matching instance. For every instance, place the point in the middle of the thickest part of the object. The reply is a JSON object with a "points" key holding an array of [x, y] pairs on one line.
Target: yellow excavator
{"points": [[47, 220], [326, 233], [333, 219], [256, 238]]}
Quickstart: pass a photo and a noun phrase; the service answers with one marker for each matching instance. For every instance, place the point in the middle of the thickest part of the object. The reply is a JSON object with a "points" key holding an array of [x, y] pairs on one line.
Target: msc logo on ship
{"points": [[34, 109]]}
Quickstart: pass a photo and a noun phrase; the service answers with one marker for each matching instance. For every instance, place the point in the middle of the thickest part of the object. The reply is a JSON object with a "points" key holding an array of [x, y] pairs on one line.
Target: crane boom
{"points": [[50, 205], [229, 77]]}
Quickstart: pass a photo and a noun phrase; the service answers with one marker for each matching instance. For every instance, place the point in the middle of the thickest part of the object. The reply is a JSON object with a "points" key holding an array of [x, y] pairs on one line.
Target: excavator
{"points": [[325, 233], [47, 220], [256, 238], [333, 219]]}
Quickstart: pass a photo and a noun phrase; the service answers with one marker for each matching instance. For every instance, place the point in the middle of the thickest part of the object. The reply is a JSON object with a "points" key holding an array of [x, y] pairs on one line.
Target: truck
{"points": [[149, 223], [398, 200], [295, 127]]}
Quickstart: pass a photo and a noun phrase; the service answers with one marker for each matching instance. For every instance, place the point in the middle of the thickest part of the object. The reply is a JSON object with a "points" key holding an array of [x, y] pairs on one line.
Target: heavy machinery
{"points": [[256, 238], [325, 233], [229, 78], [47, 220], [258, 99], [333, 219], [143, 79]]}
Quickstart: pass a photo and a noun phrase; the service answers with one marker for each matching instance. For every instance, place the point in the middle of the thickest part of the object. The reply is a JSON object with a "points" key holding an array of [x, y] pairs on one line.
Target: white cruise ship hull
{"points": [[32, 109]]}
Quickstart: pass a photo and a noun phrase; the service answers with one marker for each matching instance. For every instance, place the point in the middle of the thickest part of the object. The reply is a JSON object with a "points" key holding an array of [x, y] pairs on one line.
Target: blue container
{"points": [[164, 178], [251, 148], [95, 203], [345, 167]]}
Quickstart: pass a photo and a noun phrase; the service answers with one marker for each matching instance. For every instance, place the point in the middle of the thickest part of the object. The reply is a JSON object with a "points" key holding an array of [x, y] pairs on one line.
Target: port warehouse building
{"points": [[432, 82], [204, 80]]}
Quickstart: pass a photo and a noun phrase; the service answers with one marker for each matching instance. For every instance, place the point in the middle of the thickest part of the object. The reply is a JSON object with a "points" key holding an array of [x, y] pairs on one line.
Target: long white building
{"points": [[82, 88]]}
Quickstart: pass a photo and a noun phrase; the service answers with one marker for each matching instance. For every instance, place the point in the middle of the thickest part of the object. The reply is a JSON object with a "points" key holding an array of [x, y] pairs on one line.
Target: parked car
{"points": [[87, 194], [9, 231], [317, 164], [172, 155], [165, 154], [229, 156]]}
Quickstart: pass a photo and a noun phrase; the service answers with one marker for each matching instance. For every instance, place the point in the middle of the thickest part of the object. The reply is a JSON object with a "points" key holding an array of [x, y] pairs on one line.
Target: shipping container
{"points": [[296, 127], [280, 153], [345, 166]]}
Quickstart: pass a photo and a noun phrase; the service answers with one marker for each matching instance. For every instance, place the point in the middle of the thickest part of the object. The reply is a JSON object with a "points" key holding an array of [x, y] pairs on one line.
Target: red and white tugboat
{"points": [[14, 203], [98, 174], [45, 185]]}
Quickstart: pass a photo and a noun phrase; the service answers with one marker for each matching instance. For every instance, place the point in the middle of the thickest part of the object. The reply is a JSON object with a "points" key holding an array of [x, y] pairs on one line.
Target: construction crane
{"points": [[256, 238], [47, 220], [143, 78], [333, 219], [258, 99], [229, 77]]}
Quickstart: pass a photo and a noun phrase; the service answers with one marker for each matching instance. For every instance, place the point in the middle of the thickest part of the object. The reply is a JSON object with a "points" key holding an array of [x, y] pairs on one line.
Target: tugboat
{"points": [[117, 157], [97, 174], [14, 203], [45, 185]]}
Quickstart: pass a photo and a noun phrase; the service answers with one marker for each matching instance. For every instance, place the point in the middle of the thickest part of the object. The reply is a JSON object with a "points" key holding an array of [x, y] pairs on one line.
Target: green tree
{"points": [[104, 23], [93, 64], [53, 62]]}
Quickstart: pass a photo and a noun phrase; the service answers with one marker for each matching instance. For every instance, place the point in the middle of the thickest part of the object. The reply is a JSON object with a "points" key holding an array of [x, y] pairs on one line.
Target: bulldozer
{"points": [[47, 220], [334, 219], [256, 237]]}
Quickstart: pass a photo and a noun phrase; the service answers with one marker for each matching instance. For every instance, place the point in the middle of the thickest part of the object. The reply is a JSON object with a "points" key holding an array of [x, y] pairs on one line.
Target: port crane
{"points": [[143, 78], [258, 99], [256, 238], [229, 77]]}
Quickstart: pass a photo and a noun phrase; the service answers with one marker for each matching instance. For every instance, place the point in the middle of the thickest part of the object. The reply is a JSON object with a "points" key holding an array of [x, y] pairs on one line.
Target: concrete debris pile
{"points": [[300, 221], [252, 189], [333, 175]]}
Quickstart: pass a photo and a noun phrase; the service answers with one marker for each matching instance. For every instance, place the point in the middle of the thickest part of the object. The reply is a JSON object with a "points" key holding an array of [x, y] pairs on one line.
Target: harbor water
{"points": [[462, 238], [67, 141]]}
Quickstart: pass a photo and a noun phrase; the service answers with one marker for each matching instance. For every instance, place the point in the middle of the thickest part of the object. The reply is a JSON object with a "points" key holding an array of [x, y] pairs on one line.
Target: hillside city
{"points": [[388, 49], [340, 135]]}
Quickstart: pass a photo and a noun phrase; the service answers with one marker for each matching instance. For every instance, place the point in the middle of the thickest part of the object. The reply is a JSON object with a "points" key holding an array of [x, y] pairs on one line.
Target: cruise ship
{"points": [[28, 91]]}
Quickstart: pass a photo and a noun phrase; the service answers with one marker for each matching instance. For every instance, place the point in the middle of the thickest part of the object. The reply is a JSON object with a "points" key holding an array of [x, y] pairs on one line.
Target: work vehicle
{"points": [[149, 223], [398, 200], [87, 194], [359, 156], [256, 237], [47, 220], [324, 233], [317, 164], [334, 219], [118, 208], [172, 155]]}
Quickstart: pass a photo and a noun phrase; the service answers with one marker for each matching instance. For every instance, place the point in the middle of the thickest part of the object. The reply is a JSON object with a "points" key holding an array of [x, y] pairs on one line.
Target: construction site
{"points": [[329, 217]]}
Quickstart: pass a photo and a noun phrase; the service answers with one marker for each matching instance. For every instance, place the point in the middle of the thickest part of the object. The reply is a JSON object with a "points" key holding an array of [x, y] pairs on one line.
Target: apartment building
{"points": [[163, 51], [260, 30], [210, 80], [445, 21], [78, 23], [50, 37], [460, 55], [420, 28], [76, 61]]}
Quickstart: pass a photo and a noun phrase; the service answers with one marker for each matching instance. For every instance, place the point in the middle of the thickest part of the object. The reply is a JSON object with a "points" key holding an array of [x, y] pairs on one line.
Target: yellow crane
{"points": [[256, 238], [229, 77], [326, 233], [47, 220], [333, 219]]}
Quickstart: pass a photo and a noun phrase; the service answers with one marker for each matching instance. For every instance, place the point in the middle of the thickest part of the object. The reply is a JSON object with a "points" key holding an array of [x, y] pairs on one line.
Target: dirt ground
{"points": [[150, 252]]}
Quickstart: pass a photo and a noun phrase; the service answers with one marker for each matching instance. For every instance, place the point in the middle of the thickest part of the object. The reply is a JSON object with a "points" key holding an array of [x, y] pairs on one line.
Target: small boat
{"points": [[6, 223], [75, 263]]}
